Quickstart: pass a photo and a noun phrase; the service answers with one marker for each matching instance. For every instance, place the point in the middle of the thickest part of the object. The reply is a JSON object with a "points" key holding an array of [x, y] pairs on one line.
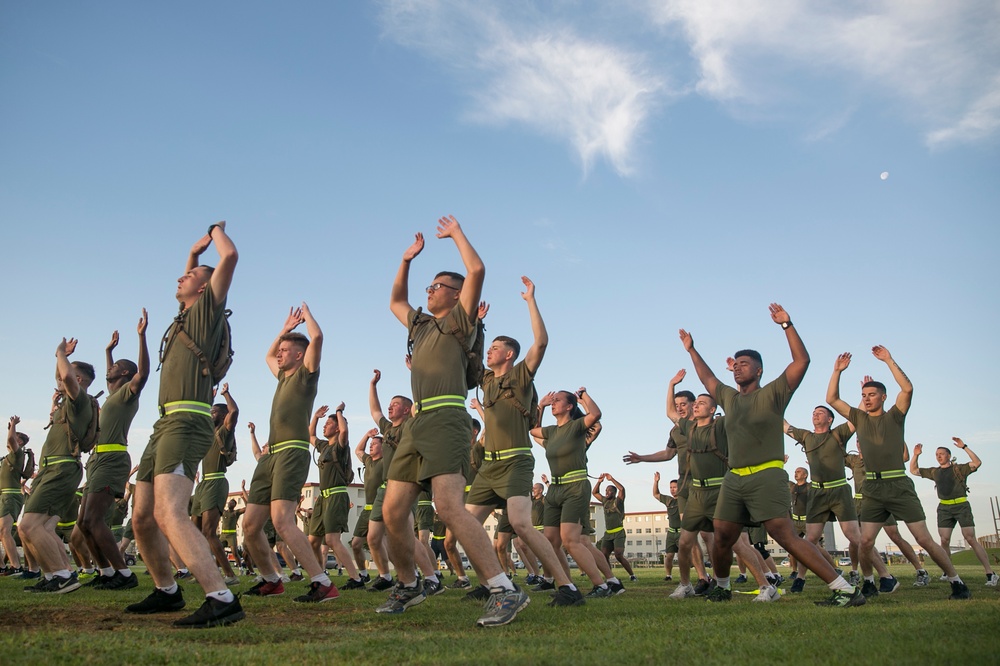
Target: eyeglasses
{"points": [[437, 285]]}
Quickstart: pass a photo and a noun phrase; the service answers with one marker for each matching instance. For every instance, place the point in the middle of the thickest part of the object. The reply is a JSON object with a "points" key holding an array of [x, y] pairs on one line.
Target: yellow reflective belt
{"points": [[368, 507], [214, 475], [425, 503], [753, 469], [438, 538], [707, 483], [10, 491], [186, 406], [673, 530], [108, 448], [383, 485], [617, 529], [858, 496], [821, 485], [64, 525], [891, 474], [795, 517], [57, 460], [438, 401], [507, 454], [539, 527], [468, 488], [229, 531], [570, 477], [957, 500], [290, 444], [335, 489]]}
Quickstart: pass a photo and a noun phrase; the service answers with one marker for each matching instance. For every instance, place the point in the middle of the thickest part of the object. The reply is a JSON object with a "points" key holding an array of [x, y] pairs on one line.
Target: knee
{"points": [[143, 523], [207, 531]]}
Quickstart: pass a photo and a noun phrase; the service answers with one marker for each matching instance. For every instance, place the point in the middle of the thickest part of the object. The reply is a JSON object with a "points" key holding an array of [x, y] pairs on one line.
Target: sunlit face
{"points": [[441, 299], [673, 489], [498, 354], [872, 399], [375, 448], [116, 372], [943, 456], [801, 475], [704, 408], [683, 406], [746, 370], [537, 490], [289, 355], [397, 409], [191, 284], [331, 427], [821, 419], [561, 404]]}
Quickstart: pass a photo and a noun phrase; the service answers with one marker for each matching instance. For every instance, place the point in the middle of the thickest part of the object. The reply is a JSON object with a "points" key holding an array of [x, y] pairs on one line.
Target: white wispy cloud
{"points": [[936, 63], [535, 71]]}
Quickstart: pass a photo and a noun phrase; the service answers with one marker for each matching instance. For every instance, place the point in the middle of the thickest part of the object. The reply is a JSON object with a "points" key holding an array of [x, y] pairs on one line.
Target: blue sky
{"points": [[650, 165]]}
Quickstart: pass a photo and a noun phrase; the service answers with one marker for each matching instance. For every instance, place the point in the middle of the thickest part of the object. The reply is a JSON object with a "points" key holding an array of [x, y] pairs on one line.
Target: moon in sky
{"points": [[885, 174]]}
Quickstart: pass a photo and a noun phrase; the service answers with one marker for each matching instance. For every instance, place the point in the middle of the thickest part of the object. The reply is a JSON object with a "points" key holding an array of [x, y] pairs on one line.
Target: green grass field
{"points": [[642, 626]]}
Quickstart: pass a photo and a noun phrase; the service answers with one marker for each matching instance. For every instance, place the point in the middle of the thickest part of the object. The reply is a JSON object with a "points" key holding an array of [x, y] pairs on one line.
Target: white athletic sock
{"points": [[47, 575], [603, 586], [87, 570], [183, 570], [723, 582], [273, 578], [225, 596], [954, 579], [386, 576], [109, 571], [463, 578], [500, 581], [297, 571], [614, 579], [572, 587], [840, 584], [870, 579], [548, 579], [432, 578], [62, 573], [170, 590], [126, 572], [322, 579]]}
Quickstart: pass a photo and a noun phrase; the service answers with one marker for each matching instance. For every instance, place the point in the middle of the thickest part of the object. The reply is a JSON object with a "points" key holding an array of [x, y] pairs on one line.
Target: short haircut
{"points": [[458, 277], [945, 449], [128, 366], [23, 438], [755, 355], [210, 269], [710, 398], [874, 384], [674, 481], [223, 407], [85, 368], [510, 342], [296, 339], [612, 489], [476, 425], [825, 408], [685, 394], [403, 399]]}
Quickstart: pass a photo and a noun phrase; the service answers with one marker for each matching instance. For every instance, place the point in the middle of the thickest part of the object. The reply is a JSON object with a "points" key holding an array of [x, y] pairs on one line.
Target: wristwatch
{"points": [[785, 325]]}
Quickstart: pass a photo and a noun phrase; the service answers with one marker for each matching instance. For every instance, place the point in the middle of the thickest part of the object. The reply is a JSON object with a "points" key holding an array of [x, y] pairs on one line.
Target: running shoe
{"points": [[682, 592], [97, 582], [401, 598], [703, 587], [854, 578], [432, 587], [182, 575], [845, 598], [381, 584], [616, 588], [599, 592], [667, 579], [720, 594], [266, 589], [231, 580], [318, 593], [923, 579], [888, 585], [353, 584], [119, 582], [798, 585], [565, 596], [960, 590], [460, 584], [869, 590], [295, 577], [503, 606], [62, 584], [480, 593], [365, 578], [991, 580], [769, 593], [213, 613], [158, 602], [741, 578], [633, 578]]}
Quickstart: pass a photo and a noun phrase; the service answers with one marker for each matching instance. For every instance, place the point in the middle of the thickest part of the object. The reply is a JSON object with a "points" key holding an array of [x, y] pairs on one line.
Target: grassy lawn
{"points": [[916, 625]]}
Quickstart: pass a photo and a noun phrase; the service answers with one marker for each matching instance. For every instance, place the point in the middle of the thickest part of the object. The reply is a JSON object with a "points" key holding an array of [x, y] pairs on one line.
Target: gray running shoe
{"points": [[503, 606], [923, 579], [769, 593], [682, 592], [400, 599], [854, 578], [460, 584], [599, 592]]}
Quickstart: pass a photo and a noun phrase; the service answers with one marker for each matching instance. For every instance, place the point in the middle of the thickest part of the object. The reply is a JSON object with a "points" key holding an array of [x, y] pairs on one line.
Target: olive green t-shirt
{"points": [[857, 466], [673, 511], [438, 361], [824, 451], [373, 477], [215, 460], [506, 424], [181, 376], [614, 513], [116, 416], [566, 447], [703, 442], [75, 414], [11, 468], [800, 497], [477, 454], [755, 422], [950, 480], [391, 436], [331, 461], [880, 438], [119, 512], [538, 511], [292, 406], [229, 520]]}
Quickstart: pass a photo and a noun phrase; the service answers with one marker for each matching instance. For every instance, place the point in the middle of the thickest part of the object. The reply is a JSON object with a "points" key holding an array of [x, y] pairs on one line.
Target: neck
{"points": [[703, 421], [503, 368], [117, 384], [746, 389], [819, 430]]}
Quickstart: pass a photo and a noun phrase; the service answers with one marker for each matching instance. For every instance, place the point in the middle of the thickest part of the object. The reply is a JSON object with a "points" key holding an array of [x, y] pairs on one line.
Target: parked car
{"points": [[844, 562], [785, 562]]}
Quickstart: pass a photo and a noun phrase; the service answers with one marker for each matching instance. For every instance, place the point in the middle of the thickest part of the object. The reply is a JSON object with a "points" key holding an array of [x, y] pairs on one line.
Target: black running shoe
{"points": [[119, 582], [565, 596], [353, 585], [213, 613], [960, 590], [544, 585], [869, 590], [158, 602], [480, 593], [381, 584]]}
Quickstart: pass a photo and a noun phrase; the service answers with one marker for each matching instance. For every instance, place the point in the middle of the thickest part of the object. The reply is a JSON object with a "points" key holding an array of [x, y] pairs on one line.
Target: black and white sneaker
{"points": [[158, 602], [213, 613], [119, 582], [565, 596]]}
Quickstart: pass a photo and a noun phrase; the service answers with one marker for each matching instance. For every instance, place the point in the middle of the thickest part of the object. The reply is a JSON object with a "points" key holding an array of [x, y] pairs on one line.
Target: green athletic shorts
{"points": [[800, 527], [828, 504], [433, 443], [280, 476], [376, 513], [673, 542], [503, 524], [331, 515], [127, 533], [228, 539], [361, 527], [424, 517], [754, 498], [857, 509], [54, 490], [890, 498], [682, 503], [11, 504], [117, 531], [210, 494], [616, 539], [108, 473], [179, 443], [757, 534], [948, 515], [701, 508], [499, 479], [568, 503]]}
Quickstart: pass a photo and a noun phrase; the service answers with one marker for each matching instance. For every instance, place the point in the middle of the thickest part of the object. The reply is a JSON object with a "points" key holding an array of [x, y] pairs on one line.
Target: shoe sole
{"points": [[527, 600], [177, 607], [217, 622], [71, 587], [894, 588], [396, 611]]}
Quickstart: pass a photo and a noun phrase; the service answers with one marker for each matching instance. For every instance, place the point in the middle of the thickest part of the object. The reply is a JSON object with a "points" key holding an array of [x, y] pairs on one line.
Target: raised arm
{"points": [[905, 396], [399, 298], [478, 406], [13, 441], [796, 370], [374, 406], [315, 349], [475, 270], [596, 491], [671, 408], [359, 450], [536, 432], [618, 485], [593, 414], [975, 463], [656, 486], [138, 381], [291, 323], [914, 460], [109, 351], [254, 444], [833, 389], [233, 417], [538, 331], [222, 276], [705, 374], [314, 423], [64, 369], [342, 433]]}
